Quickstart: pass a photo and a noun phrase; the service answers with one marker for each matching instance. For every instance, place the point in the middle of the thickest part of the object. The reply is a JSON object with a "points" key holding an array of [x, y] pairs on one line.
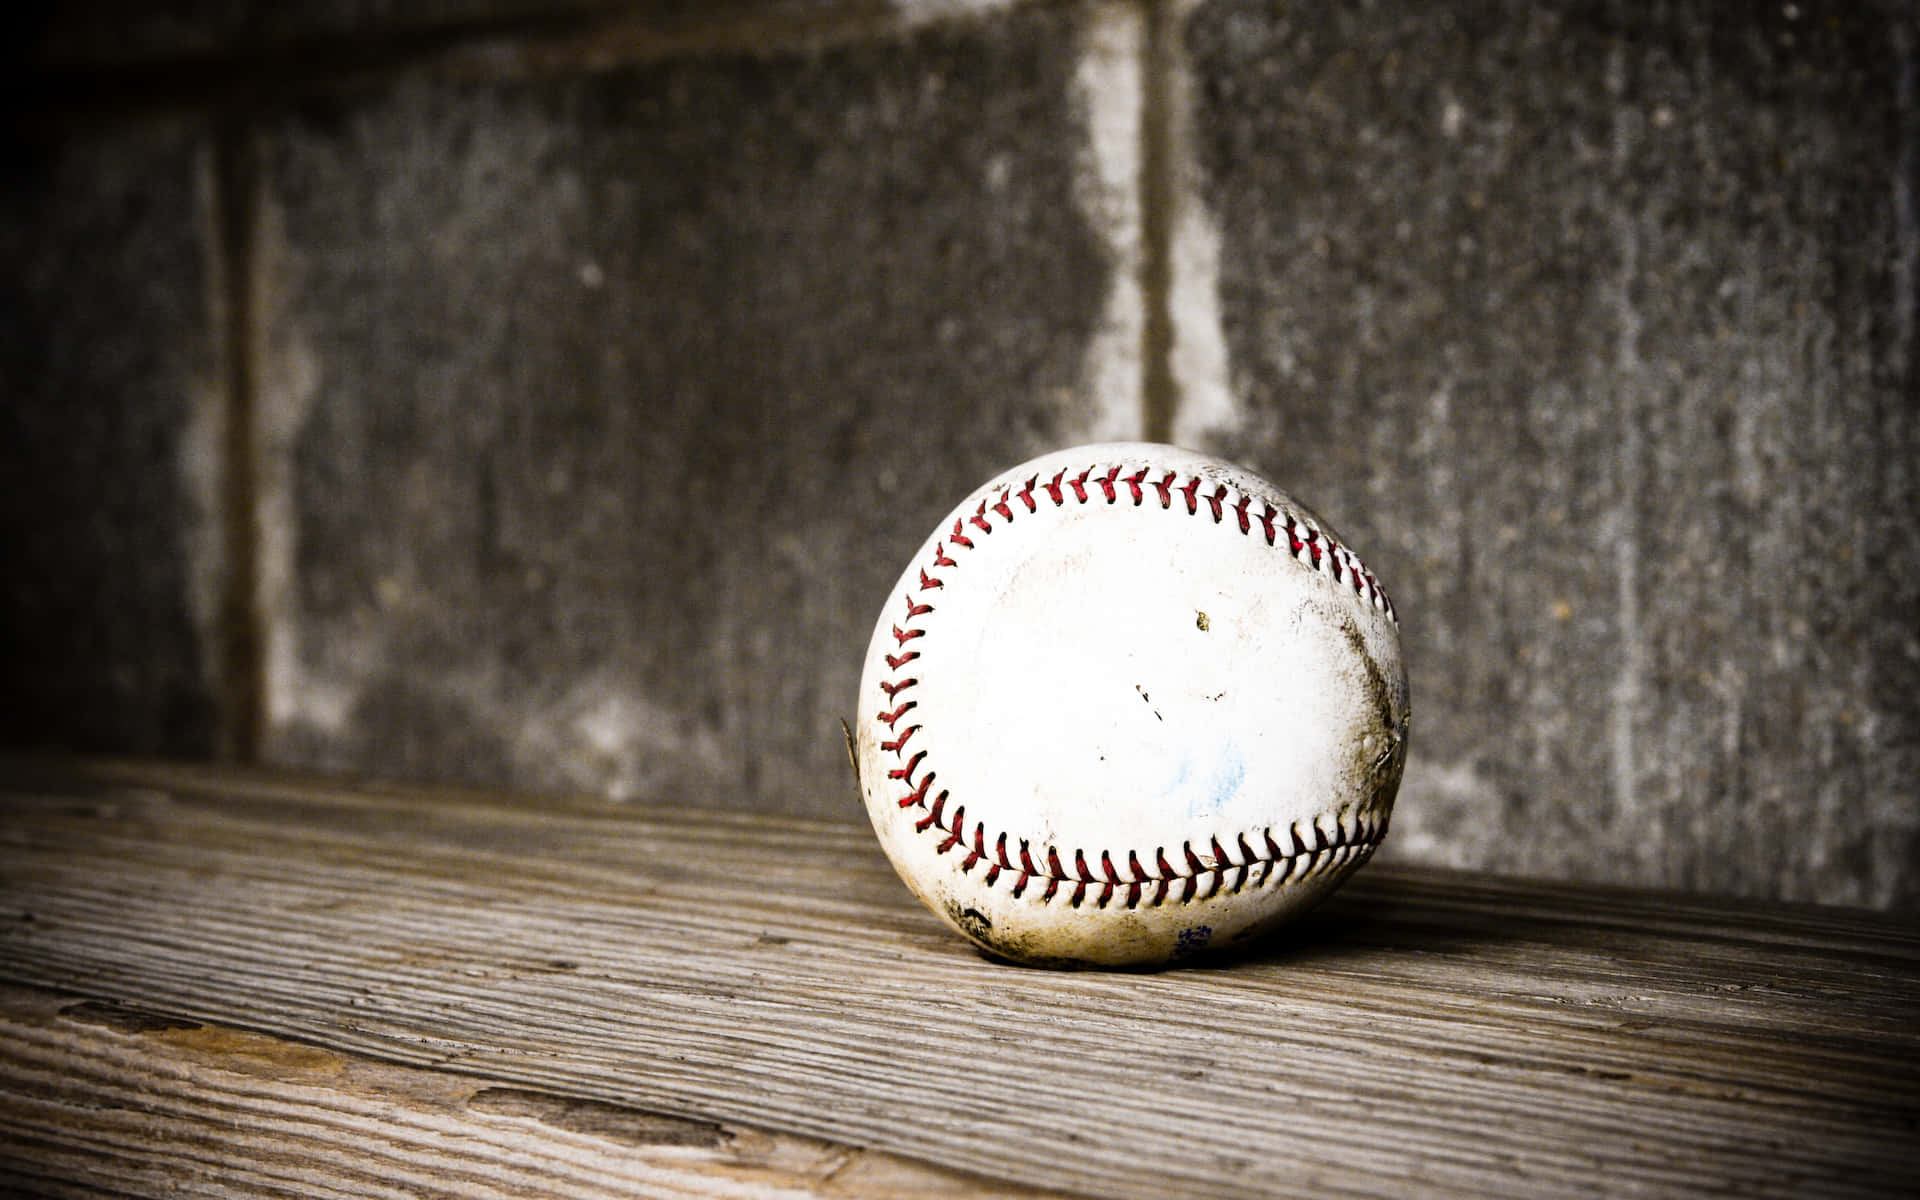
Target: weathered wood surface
{"points": [[102, 1098], [230, 983]]}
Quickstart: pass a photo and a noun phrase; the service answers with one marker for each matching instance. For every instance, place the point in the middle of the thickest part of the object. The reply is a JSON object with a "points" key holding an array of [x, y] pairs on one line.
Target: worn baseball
{"points": [[1129, 703]]}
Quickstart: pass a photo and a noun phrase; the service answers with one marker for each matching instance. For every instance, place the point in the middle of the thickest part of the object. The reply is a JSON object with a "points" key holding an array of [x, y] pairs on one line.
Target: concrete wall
{"points": [[544, 395]]}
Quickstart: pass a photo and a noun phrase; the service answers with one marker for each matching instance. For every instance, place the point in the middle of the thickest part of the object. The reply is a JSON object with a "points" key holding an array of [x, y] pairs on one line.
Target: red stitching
{"points": [[1272, 863], [932, 819], [1214, 502], [1165, 488], [905, 774], [917, 798]]}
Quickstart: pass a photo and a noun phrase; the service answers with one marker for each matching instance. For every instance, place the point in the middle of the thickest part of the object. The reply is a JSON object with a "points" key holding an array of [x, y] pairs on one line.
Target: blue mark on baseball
{"points": [[1208, 784], [1192, 940]]}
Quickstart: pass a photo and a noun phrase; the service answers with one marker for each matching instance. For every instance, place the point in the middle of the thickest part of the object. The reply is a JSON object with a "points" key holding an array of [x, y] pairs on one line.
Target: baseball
{"points": [[1129, 703]]}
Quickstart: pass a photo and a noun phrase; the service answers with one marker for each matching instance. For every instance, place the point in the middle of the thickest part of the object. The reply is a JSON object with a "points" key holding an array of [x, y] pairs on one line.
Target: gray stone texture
{"points": [[1593, 326], [599, 409], [604, 410], [107, 361], [101, 32], [93, 33]]}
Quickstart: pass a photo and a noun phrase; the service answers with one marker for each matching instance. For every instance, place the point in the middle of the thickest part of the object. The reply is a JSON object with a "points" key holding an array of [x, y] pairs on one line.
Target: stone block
{"points": [[118, 33], [332, 36], [603, 410], [1593, 324], [109, 450]]}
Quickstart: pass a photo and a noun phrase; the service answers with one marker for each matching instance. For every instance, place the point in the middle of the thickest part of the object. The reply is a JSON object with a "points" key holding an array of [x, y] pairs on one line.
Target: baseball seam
{"points": [[1303, 849]]}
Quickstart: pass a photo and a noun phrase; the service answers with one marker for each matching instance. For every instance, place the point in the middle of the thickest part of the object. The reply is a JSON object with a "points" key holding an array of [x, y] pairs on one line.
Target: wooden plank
{"points": [[1425, 1030], [105, 1099]]}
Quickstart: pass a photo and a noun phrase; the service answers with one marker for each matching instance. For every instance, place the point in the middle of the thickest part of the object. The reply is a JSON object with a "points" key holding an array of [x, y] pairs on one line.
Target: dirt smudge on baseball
{"points": [[1011, 949], [973, 921], [1384, 768]]}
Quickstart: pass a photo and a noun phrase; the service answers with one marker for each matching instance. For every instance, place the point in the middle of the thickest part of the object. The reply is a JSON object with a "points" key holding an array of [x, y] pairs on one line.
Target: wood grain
{"points": [[1424, 1031], [102, 1098]]}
